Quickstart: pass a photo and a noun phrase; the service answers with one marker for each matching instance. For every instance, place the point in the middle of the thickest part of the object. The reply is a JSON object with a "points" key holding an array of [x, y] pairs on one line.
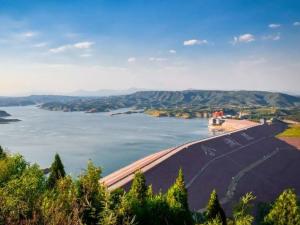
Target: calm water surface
{"points": [[109, 141]]}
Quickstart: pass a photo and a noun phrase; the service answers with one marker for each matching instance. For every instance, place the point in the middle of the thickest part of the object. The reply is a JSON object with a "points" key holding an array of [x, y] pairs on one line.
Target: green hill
{"points": [[34, 100], [183, 99]]}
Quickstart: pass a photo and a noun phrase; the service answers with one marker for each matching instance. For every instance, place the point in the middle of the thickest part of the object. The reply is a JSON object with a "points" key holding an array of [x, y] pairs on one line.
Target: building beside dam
{"points": [[250, 159]]}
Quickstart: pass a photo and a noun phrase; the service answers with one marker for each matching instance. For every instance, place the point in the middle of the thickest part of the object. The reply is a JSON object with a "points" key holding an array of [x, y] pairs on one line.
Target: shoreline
{"points": [[7, 121]]}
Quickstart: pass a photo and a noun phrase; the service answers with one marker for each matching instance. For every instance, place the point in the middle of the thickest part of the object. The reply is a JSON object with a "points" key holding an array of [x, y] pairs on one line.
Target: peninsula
{"points": [[4, 120]]}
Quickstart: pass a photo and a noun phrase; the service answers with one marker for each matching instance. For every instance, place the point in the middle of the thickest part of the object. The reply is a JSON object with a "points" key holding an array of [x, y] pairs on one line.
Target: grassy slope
{"points": [[291, 131]]}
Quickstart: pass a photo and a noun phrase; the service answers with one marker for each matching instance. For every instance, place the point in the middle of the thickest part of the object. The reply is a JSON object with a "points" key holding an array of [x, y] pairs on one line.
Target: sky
{"points": [[59, 46]]}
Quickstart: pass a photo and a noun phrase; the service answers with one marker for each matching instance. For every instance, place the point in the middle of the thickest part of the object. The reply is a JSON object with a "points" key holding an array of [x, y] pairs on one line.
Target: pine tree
{"points": [[2, 152], [285, 210], [214, 209], [138, 190], [177, 194], [242, 211], [57, 172], [91, 194], [177, 200]]}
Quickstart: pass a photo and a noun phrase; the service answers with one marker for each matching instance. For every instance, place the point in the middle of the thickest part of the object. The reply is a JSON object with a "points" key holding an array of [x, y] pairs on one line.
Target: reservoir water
{"points": [[109, 141]]}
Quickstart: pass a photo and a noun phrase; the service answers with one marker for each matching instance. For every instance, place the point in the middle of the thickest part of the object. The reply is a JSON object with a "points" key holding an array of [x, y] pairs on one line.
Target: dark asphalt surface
{"points": [[213, 163]]}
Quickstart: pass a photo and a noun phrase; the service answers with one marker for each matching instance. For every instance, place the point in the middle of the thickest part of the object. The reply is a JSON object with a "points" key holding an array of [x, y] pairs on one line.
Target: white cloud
{"points": [[244, 38], [60, 49], [83, 45], [29, 34], [275, 37], [79, 45], [194, 42], [274, 25], [172, 51], [131, 59], [297, 23], [157, 59]]}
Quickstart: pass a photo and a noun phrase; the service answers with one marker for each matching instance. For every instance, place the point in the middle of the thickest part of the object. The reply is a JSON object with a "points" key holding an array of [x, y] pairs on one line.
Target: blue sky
{"points": [[61, 46]]}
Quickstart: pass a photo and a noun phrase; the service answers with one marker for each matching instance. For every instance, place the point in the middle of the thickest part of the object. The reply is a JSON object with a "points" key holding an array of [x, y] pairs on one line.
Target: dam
{"points": [[250, 159]]}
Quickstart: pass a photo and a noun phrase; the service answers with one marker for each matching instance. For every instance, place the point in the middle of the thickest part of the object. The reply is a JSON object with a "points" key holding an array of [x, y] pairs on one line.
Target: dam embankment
{"points": [[124, 175], [249, 159]]}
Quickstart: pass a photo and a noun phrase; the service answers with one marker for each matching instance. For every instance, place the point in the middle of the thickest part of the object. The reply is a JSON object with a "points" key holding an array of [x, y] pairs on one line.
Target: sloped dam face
{"points": [[248, 160]]}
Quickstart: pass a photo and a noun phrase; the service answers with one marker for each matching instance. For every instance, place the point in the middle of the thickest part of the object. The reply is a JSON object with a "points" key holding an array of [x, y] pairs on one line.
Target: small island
{"points": [[5, 121], [127, 112], [4, 114]]}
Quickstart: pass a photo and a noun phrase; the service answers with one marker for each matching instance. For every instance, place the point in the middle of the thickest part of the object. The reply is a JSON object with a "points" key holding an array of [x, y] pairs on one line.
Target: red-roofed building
{"points": [[217, 114]]}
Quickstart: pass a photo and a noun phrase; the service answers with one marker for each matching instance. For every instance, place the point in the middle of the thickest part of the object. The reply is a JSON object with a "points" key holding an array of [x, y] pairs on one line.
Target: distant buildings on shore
{"points": [[218, 118]]}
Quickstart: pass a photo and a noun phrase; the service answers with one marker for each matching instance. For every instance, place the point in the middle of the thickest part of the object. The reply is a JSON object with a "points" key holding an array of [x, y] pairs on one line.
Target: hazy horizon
{"points": [[109, 92]]}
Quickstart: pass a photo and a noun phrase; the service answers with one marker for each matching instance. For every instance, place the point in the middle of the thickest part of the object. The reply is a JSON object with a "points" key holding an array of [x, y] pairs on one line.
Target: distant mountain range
{"points": [[104, 92], [41, 97], [158, 99], [173, 99], [84, 93], [34, 100]]}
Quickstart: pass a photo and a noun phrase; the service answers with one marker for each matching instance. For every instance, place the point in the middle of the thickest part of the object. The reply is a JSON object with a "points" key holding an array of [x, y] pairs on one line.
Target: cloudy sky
{"points": [[60, 46]]}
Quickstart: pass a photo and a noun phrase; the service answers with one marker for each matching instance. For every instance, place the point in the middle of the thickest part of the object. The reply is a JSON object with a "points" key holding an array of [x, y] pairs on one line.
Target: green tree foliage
{"points": [[134, 205], [177, 200], [125, 211], [214, 209], [115, 197], [177, 194], [158, 210], [263, 209], [285, 210], [2, 152], [215, 221], [60, 206], [20, 197], [141, 206], [57, 172], [25, 198], [91, 194], [108, 215], [138, 190], [11, 168], [242, 212]]}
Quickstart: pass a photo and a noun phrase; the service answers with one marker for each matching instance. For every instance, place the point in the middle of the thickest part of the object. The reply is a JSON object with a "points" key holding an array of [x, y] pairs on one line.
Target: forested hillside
{"points": [[173, 99], [34, 100]]}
